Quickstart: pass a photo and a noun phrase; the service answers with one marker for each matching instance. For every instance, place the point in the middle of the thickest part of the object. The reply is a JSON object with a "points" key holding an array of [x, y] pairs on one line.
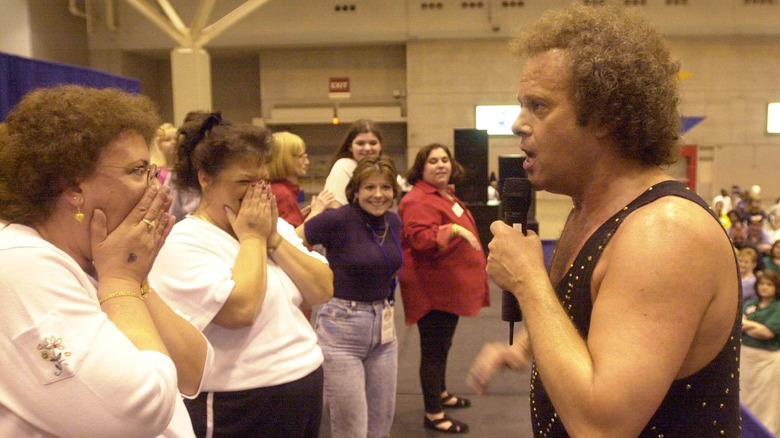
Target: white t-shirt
{"points": [[67, 369], [194, 273], [339, 177]]}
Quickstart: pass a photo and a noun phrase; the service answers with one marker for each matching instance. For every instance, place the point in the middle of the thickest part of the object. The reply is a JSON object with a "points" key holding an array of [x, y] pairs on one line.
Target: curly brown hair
{"points": [[623, 76], [54, 138], [415, 173]]}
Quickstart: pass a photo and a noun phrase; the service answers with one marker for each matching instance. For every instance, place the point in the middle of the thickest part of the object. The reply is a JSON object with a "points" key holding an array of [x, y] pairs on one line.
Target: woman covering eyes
{"points": [[88, 348], [240, 274], [355, 328]]}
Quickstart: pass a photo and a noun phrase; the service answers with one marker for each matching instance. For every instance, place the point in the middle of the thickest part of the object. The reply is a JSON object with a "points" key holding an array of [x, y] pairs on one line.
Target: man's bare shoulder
{"points": [[674, 236], [676, 220]]}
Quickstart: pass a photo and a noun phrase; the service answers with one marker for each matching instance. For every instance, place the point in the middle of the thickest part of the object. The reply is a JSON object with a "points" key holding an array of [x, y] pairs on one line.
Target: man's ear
{"points": [[601, 130]]}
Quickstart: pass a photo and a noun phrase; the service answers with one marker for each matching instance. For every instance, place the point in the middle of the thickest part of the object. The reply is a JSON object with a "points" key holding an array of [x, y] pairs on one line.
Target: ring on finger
{"points": [[150, 225]]}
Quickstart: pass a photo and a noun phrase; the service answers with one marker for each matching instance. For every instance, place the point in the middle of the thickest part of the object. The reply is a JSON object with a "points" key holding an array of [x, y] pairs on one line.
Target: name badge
{"points": [[749, 310], [457, 209], [388, 325]]}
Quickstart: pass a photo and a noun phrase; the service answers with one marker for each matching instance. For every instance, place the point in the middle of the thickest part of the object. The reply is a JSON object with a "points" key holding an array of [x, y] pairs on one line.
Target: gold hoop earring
{"points": [[79, 215]]}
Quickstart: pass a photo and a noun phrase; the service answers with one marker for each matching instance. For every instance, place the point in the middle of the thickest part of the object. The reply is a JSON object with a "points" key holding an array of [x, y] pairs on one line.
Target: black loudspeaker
{"points": [[511, 166], [484, 215], [471, 151]]}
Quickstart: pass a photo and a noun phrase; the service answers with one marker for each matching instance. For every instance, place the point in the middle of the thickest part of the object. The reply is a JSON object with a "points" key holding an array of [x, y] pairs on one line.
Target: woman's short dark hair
{"points": [[368, 167], [54, 138], [622, 77], [206, 143], [362, 126], [415, 173], [772, 276]]}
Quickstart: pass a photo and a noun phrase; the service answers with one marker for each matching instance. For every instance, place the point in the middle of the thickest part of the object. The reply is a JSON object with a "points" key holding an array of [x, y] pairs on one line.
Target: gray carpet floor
{"points": [[501, 413]]}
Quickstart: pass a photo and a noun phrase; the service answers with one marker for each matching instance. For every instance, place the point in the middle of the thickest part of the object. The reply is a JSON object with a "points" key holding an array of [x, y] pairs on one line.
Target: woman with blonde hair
{"points": [[288, 162], [163, 150]]}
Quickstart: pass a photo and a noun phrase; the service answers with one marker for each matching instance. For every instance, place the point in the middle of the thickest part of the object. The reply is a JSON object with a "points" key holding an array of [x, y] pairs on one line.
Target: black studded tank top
{"points": [[704, 404]]}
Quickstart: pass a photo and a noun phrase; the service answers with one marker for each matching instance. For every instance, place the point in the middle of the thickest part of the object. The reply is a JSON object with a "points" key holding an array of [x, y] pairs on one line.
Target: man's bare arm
{"points": [[653, 287]]}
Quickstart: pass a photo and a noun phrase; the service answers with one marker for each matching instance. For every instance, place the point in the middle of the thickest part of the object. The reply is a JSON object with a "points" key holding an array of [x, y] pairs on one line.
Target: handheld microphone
{"points": [[515, 202]]}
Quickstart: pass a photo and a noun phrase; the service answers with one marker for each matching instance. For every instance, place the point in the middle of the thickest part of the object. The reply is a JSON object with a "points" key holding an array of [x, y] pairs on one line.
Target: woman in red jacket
{"points": [[443, 276], [289, 161]]}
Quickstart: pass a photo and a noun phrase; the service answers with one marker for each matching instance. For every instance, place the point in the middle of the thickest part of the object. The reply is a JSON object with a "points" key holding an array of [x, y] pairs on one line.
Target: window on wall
{"points": [[773, 118], [497, 119]]}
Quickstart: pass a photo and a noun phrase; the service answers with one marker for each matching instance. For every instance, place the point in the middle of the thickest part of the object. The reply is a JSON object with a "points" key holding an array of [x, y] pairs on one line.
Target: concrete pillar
{"points": [[191, 81]]}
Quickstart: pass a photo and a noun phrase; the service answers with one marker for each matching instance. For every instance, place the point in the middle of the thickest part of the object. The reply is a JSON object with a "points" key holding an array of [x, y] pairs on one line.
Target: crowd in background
{"points": [[755, 234]]}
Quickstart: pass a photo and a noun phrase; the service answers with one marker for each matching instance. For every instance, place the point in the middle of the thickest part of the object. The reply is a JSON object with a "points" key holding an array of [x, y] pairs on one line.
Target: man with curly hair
{"points": [[635, 329]]}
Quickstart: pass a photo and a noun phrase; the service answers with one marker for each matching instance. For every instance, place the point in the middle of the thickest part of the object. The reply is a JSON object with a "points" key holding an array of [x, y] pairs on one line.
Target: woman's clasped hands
{"points": [[128, 251], [257, 216]]}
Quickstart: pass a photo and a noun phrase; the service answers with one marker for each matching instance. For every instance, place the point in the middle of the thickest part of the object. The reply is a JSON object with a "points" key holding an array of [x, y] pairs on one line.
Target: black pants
{"points": [[289, 410], [436, 331]]}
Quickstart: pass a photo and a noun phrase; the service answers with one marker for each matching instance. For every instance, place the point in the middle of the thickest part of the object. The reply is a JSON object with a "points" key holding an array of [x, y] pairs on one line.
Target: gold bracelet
{"points": [[120, 294], [454, 232], [145, 289], [274, 246]]}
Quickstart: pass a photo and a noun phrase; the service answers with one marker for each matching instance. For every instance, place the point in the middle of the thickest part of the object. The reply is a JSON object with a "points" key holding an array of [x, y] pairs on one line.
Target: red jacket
{"points": [[438, 273], [286, 194]]}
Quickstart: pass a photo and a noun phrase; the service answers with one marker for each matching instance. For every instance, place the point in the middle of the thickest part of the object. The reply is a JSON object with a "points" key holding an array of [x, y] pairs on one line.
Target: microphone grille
{"points": [[514, 186]]}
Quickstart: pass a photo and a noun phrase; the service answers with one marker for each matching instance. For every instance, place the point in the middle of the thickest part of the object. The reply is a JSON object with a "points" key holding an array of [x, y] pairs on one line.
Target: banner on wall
{"points": [[18, 75]]}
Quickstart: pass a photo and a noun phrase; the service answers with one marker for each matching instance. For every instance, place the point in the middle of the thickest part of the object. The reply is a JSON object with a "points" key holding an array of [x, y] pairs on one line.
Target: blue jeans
{"points": [[360, 372]]}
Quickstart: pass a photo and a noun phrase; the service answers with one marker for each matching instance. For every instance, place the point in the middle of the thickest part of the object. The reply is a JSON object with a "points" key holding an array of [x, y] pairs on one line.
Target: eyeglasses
{"points": [[151, 170], [152, 174]]}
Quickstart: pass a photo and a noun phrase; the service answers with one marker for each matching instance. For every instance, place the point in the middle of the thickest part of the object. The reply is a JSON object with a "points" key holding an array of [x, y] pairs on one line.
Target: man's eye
{"points": [[140, 170]]}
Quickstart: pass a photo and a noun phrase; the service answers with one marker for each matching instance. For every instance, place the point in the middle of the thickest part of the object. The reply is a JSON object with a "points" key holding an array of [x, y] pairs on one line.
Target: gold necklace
{"points": [[384, 233]]}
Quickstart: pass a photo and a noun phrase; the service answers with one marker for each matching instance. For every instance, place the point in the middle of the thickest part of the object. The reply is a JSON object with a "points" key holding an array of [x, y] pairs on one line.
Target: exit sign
{"points": [[338, 88]]}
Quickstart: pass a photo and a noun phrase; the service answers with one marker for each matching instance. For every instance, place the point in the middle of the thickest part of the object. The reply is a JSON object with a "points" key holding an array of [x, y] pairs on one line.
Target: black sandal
{"points": [[454, 402], [455, 427]]}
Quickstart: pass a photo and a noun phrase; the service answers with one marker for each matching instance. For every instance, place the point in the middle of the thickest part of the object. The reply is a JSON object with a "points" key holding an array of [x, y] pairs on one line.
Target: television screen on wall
{"points": [[773, 118], [497, 119]]}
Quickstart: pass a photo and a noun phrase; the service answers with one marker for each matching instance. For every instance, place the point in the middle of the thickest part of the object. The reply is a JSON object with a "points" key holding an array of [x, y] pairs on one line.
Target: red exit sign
{"points": [[338, 85]]}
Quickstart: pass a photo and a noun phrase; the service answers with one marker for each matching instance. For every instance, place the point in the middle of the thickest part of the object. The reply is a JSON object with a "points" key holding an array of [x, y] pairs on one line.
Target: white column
{"points": [[191, 81]]}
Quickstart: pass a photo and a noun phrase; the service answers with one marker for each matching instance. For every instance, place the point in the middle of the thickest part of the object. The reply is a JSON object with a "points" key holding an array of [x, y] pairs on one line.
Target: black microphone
{"points": [[515, 202]]}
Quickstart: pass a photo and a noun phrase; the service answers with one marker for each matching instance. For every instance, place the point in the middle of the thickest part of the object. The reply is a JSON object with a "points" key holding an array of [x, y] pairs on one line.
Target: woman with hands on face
{"points": [[443, 276], [84, 218], [240, 273]]}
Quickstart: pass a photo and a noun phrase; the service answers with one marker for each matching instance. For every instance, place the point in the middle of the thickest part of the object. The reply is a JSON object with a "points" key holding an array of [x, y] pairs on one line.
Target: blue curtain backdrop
{"points": [[19, 75]]}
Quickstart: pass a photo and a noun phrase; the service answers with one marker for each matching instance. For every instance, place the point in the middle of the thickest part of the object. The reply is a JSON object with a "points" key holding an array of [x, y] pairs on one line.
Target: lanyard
{"points": [[391, 297]]}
